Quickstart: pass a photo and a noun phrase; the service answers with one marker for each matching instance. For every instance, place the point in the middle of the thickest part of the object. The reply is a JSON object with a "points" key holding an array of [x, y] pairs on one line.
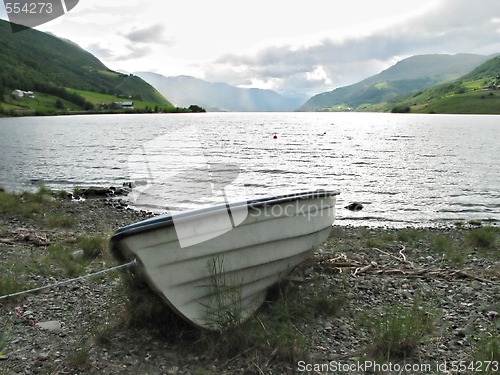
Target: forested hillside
{"points": [[476, 92], [56, 69]]}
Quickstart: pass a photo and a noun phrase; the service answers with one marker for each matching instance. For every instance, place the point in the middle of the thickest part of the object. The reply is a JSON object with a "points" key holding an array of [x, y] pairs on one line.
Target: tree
{"points": [[196, 108], [401, 109], [59, 104]]}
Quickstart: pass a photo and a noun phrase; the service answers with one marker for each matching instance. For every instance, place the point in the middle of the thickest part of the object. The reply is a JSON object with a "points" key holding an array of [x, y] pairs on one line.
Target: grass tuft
{"points": [[61, 258], [444, 245], [398, 331], [273, 331], [327, 305], [225, 297], [483, 237], [487, 353], [27, 204], [79, 358], [59, 221], [10, 283], [93, 246], [410, 235], [4, 338]]}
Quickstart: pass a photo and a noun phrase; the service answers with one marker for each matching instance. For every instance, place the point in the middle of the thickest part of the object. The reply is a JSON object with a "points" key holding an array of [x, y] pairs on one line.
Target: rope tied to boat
{"points": [[68, 281]]}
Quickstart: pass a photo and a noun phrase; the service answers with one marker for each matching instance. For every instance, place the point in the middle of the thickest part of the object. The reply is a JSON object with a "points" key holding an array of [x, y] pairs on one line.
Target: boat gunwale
{"points": [[167, 220]]}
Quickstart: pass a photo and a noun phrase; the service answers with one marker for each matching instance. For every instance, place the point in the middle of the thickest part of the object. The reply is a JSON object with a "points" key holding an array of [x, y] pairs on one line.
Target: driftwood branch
{"points": [[357, 268], [25, 236], [363, 269], [401, 258]]}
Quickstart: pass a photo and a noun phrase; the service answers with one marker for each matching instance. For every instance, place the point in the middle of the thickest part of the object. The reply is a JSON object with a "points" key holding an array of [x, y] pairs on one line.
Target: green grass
{"points": [[397, 331], [327, 304], [12, 282], [485, 238], [97, 99], [376, 242], [42, 103], [26, 204], [410, 235], [61, 256], [93, 246], [59, 221], [453, 252], [8, 106], [276, 329], [225, 302], [61, 259], [382, 85], [108, 73], [40, 206], [79, 358], [4, 338], [475, 102], [46, 104], [57, 260], [486, 348]]}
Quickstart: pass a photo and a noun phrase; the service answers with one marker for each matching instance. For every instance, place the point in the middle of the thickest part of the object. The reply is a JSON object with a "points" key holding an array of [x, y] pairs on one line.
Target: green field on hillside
{"points": [[477, 102], [44, 104], [98, 100]]}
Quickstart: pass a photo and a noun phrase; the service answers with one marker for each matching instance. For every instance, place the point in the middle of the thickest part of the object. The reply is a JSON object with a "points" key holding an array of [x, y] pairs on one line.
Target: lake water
{"points": [[405, 169]]}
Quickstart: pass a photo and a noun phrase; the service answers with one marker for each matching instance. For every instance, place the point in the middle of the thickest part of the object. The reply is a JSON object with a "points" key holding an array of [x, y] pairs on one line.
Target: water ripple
{"points": [[418, 169]]}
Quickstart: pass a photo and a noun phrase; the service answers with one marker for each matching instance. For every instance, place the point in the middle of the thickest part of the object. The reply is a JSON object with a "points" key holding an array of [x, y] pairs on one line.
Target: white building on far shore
{"points": [[22, 94]]}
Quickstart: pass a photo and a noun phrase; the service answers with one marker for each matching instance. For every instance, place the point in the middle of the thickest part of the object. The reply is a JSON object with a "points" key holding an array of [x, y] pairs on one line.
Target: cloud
{"points": [[316, 48], [150, 34], [100, 50], [131, 46], [133, 52], [450, 26]]}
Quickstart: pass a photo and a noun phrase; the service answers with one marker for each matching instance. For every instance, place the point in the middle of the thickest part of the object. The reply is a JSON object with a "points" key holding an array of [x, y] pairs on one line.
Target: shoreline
{"points": [[359, 274], [118, 196]]}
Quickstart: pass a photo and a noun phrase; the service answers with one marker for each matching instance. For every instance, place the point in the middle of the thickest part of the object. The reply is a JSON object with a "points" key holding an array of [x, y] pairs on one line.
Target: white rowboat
{"points": [[213, 266]]}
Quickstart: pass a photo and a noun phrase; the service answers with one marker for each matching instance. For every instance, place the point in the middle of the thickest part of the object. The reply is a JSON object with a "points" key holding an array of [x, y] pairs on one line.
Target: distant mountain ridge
{"points": [[409, 75], [184, 91]]}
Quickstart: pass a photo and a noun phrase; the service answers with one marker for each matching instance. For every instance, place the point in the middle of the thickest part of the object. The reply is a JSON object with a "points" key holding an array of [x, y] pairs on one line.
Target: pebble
{"points": [[52, 325]]}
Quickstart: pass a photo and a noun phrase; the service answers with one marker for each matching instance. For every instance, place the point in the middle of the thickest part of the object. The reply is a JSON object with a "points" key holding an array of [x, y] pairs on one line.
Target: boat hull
{"points": [[213, 276]]}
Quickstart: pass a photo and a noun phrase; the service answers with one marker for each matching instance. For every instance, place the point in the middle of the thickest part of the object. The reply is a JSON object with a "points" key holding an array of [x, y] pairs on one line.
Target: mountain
{"points": [[476, 92], [407, 76], [185, 90], [57, 70], [485, 71]]}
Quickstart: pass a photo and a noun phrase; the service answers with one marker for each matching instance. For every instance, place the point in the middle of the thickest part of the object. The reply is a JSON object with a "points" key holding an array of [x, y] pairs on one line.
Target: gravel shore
{"points": [[445, 281]]}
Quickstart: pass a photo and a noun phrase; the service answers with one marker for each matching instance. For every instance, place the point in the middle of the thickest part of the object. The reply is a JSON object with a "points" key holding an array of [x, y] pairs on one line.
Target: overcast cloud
{"points": [[453, 27], [288, 46]]}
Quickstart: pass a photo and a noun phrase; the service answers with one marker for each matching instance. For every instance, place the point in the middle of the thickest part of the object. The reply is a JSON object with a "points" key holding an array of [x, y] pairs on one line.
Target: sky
{"points": [[289, 46]]}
